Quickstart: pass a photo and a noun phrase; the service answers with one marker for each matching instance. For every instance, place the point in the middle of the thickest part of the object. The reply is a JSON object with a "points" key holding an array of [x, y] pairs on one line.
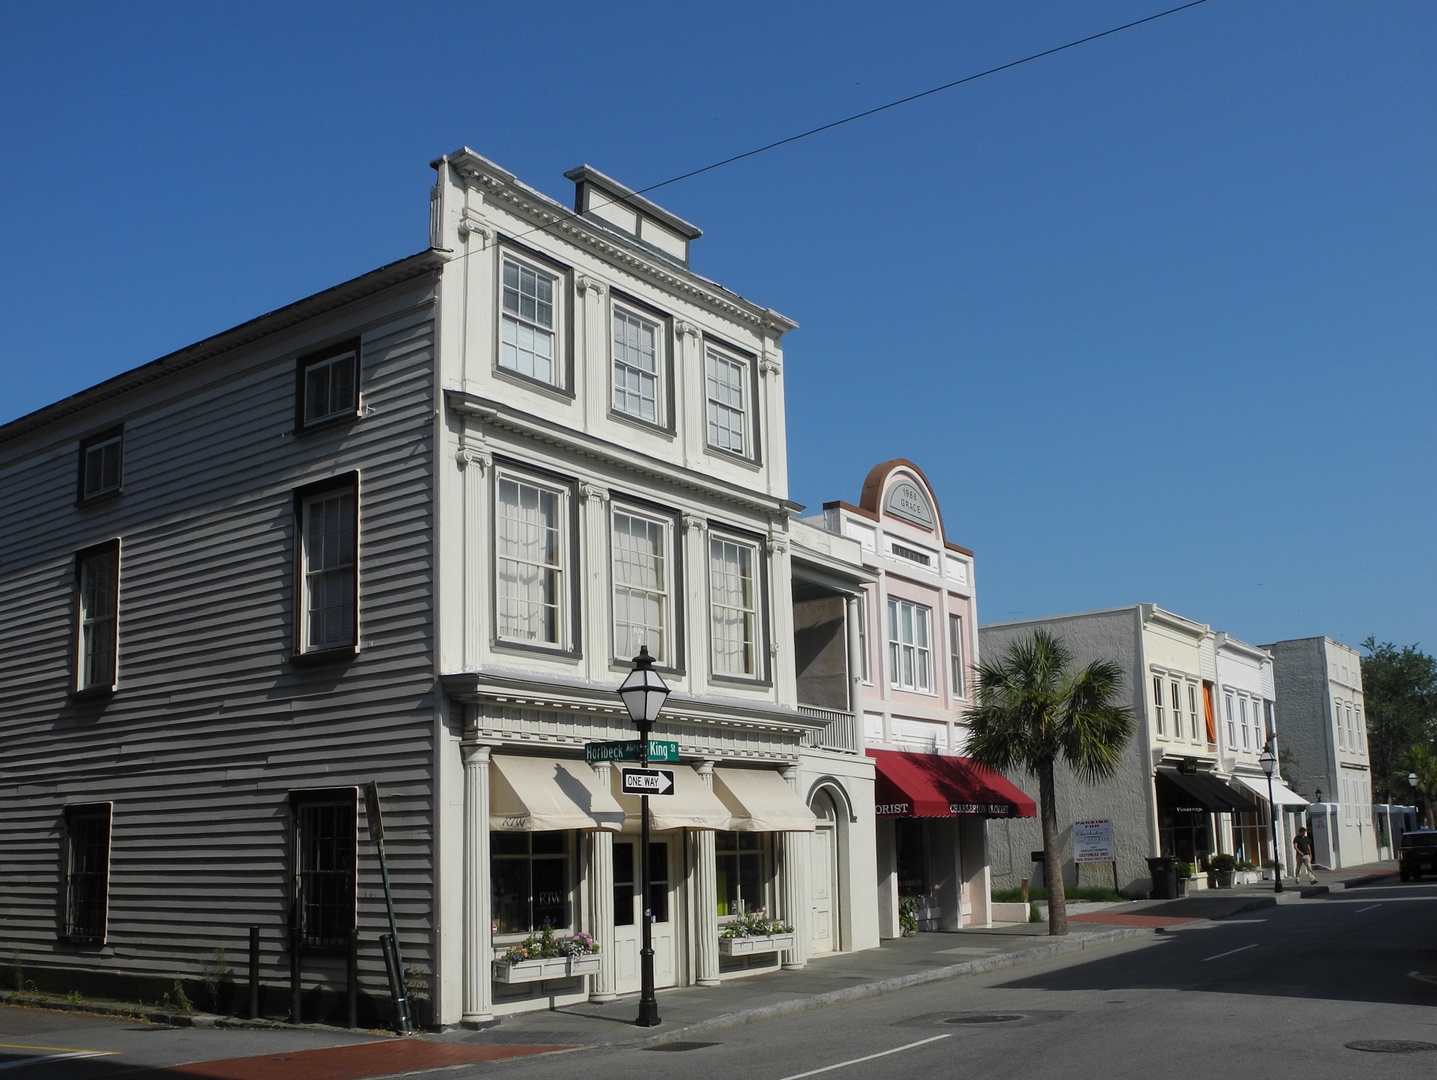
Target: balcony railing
{"points": [[839, 731]]}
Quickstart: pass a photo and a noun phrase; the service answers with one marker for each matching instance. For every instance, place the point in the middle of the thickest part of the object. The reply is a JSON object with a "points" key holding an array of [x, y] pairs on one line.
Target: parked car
{"points": [[1418, 854]]}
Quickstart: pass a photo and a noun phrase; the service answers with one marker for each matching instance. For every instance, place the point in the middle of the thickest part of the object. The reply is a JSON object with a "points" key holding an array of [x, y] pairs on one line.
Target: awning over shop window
{"points": [[760, 800], [691, 806], [932, 785], [1281, 793], [1203, 791], [534, 794]]}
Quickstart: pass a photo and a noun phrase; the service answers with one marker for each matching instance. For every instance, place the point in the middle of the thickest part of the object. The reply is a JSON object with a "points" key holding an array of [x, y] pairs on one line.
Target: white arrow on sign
{"points": [[646, 781]]}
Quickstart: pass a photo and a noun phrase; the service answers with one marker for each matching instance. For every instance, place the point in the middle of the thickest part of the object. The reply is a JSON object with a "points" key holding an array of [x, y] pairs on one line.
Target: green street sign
{"points": [[661, 751]]}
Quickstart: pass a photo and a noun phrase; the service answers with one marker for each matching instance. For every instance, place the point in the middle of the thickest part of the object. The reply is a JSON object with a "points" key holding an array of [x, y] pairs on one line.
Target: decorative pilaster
{"points": [[706, 928], [598, 639], [603, 985], [478, 922], [592, 340], [475, 460], [793, 886], [689, 391], [696, 583]]}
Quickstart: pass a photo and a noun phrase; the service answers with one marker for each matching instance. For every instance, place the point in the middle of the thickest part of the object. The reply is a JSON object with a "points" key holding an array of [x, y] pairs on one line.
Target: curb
{"points": [[899, 982], [175, 1019]]}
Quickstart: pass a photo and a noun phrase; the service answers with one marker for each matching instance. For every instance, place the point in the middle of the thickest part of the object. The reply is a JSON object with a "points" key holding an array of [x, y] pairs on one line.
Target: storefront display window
{"points": [[912, 857], [743, 872], [530, 872]]}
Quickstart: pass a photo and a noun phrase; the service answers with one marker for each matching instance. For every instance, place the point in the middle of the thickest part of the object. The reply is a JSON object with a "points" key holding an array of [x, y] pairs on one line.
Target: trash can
{"points": [[1164, 870]]}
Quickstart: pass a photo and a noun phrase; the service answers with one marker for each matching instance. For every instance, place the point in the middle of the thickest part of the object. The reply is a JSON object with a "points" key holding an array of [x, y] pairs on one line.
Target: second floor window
{"points": [[526, 332], [727, 411], [733, 601], [1158, 704], [529, 545], [97, 573], [955, 653], [1231, 730], [641, 586], [329, 568], [102, 460], [910, 656], [636, 366]]}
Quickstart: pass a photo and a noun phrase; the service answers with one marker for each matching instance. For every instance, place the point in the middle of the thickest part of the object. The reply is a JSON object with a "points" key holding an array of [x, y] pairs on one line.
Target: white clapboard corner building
{"points": [[410, 532]]}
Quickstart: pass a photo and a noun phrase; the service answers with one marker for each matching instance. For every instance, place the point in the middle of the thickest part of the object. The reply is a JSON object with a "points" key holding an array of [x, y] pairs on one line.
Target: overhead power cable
{"points": [[891, 105]]}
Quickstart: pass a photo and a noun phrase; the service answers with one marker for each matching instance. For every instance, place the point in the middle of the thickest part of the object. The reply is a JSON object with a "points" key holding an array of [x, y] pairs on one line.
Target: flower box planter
{"points": [[557, 967], [1246, 877], [1220, 879], [753, 946]]}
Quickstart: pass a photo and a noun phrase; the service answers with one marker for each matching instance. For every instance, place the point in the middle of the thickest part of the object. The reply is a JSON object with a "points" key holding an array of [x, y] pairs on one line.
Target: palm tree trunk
{"points": [[1052, 853]]}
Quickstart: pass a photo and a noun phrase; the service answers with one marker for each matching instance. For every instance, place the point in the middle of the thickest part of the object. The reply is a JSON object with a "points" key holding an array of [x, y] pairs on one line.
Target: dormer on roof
{"points": [[602, 198]]}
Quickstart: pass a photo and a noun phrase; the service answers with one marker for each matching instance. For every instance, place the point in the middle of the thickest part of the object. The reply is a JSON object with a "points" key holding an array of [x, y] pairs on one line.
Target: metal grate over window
{"points": [[87, 873], [324, 878]]}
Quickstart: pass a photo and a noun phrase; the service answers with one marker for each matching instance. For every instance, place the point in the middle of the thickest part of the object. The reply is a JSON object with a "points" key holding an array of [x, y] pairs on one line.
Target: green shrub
{"points": [[1034, 915], [908, 915], [1222, 862]]}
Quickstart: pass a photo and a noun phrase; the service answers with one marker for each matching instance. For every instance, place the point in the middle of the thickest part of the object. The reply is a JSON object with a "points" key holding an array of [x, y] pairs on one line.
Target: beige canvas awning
{"points": [[691, 806], [534, 794], [760, 800]]}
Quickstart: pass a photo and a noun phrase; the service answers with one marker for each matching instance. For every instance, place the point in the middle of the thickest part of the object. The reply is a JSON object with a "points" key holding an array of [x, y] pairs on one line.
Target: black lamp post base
{"points": [[648, 1014]]}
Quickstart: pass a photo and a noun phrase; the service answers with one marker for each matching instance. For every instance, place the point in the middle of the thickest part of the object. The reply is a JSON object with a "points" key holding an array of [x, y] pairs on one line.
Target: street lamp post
{"points": [[1268, 760], [643, 694]]}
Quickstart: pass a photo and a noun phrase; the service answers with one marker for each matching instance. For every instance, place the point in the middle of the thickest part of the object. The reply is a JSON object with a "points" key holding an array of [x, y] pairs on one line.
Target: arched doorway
{"points": [[823, 876]]}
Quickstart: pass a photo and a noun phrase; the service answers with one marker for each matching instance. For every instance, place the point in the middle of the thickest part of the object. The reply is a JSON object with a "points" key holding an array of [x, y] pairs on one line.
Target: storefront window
{"points": [[530, 872], [912, 857], [741, 860]]}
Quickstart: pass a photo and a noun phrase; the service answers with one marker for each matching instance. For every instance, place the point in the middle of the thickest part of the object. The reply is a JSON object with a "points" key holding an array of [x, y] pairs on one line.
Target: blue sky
{"points": [[1155, 315]]}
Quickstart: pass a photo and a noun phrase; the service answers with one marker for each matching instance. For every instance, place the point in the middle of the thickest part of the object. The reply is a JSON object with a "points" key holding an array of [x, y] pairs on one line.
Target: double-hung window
{"points": [[529, 545], [955, 654], [726, 391], [1231, 725], [1341, 732], [733, 605], [97, 616], [102, 464], [863, 637], [527, 332], [638, 354], [643, 577], [87, 873], [1193, 711], [329, 565], [1242, 713], [910, 657], [1158, 704], [327, 387], [325, 856]]}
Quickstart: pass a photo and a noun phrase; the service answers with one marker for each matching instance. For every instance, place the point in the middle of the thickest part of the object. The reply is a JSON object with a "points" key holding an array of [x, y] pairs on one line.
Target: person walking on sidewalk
{"points": [[1302, 844]]}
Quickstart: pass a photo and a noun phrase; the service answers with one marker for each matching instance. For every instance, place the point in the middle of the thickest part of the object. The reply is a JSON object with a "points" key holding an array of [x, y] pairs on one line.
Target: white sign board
{"points": [[1093, 842]]}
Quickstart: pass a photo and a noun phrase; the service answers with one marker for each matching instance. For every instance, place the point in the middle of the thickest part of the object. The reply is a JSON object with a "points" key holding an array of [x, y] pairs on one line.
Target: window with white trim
{"points": [[328, 386], [102, 460], [1231, 728], [863, 636], [528, 339], [1341, 733], [1193, 711], [638, 359], [87, 873], [643, 585], [1158, 704], [910, 656], [329, 568], [1242, 712], [1175, 697], [1351, 729], [1361, 732], [726, 391], [531, 882], [531, 556], [733, 605], [955, 655], [97, 616]]}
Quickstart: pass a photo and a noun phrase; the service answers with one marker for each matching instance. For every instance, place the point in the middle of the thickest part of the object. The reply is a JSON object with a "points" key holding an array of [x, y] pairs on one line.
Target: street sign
{"points": [[1093, 842], [661, 751], [647, 781], [371, 809]]}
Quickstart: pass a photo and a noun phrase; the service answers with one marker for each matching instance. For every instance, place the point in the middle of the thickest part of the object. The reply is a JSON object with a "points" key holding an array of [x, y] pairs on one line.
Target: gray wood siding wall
{"points": [[212, 727]]}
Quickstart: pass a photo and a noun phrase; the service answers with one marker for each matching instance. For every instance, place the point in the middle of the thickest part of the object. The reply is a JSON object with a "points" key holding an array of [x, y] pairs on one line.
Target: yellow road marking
{"points": [[55, 1049]]}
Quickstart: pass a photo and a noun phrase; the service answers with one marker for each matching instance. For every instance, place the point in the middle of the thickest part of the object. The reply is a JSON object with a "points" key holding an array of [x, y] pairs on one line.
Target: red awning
{"points": [[931, 785]]}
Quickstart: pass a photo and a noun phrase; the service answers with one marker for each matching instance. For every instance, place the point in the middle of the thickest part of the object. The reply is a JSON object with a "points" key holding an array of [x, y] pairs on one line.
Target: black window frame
{"points": [[498, 841], [84, 496], [312, 360], [324, 891], [301, 651], [79, 685], [736, 848], [86, 890]]}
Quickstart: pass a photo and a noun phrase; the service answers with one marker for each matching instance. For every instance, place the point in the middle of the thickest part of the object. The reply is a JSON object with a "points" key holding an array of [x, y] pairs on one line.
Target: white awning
{"points": [[760, 800], [534, 794], [1281, 793], [691, 806]]}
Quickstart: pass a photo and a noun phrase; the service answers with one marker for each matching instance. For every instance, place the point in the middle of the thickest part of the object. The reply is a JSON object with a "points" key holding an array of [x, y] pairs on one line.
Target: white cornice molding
{"points": [[555, 219], [497, 415]]}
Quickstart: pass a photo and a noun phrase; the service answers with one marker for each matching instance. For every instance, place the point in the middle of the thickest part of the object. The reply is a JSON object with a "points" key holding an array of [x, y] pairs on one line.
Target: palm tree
{"points": [[1033, 712], [1423, 764]]}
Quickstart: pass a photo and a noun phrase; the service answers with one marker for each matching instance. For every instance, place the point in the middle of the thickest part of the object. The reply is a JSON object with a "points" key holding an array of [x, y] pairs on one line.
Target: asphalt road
{"points": [[1270, 994]]}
